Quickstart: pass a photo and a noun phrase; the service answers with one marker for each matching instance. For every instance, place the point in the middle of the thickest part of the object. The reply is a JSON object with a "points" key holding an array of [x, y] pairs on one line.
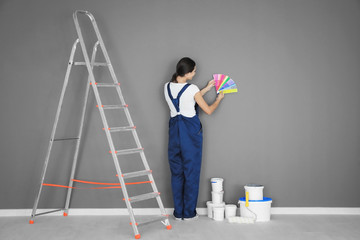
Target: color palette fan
{"points": [[224, 83]]}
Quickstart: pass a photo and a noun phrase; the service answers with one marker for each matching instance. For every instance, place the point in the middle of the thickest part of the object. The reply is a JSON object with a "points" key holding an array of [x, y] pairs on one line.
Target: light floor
{"points": [[314, 227]]}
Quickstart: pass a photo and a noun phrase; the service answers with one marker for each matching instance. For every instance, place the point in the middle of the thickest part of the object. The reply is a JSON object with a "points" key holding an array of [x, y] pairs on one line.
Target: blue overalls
{"points": [[184, 153]]}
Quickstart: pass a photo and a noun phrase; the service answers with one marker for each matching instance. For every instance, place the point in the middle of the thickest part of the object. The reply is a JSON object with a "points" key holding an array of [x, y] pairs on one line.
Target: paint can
{"points": [[262, 209], [219, 213], [217, 184], [217, 197], [255, 191], [210, 207], [230, 210]]}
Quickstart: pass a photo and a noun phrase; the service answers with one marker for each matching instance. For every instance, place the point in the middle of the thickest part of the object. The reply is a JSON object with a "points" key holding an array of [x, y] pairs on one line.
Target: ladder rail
{"points": [[102, 114], [57, 115], [83, 112], [108, 61], [102, 45], [113, 75]]}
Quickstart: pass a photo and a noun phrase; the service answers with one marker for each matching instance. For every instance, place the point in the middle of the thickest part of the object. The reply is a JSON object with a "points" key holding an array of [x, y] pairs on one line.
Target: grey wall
{"points": [[293, 126]]}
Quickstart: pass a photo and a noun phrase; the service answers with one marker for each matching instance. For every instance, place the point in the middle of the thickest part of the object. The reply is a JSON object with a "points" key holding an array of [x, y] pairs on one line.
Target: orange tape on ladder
{"points": [[138, 183], [56, 185], [87, 182], [100, 187]]}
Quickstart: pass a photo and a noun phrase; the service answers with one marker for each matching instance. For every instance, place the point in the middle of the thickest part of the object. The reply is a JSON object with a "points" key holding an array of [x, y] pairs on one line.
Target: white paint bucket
{"points": [[217, 197], [210, 207], [261, 208], [219, 213], [255, 191], [217, 184], [230, 210]]}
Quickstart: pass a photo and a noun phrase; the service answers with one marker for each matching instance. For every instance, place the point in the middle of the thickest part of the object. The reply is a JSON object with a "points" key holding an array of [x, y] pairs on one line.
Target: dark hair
{"points": [[184, 66]]}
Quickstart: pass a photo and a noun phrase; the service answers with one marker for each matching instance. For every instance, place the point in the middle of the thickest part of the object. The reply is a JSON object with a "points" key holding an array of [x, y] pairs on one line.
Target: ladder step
{"points": [[155, 219], [97, 64], [107, 84], [63, 139], [120, 129], [129, 151], [136, 174], [114, 106], [143, 197]]}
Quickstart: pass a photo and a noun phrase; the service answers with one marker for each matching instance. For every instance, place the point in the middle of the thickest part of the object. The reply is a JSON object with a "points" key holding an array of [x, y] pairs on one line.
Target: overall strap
{"points": [[176, 101]]}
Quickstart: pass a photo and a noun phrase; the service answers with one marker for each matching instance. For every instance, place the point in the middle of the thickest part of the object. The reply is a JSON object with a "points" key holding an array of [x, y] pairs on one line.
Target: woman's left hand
{"points": [[211, 83]]}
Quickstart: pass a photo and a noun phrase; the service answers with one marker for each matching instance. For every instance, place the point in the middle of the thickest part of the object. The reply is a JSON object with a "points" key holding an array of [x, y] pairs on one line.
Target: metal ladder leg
{"points": [[72, 174], [33, 214]]}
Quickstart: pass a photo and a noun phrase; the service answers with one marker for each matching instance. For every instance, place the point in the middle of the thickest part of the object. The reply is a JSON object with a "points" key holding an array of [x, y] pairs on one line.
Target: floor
{"points": [[280, 227]]}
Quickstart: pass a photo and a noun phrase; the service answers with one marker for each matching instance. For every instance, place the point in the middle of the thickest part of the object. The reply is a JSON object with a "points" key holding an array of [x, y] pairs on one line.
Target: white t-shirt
{"points": [[187, 100]]}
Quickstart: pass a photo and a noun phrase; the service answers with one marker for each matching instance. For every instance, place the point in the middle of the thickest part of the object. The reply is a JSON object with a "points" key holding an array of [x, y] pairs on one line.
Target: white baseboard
{"points": [[316, 210], [155, 211]]}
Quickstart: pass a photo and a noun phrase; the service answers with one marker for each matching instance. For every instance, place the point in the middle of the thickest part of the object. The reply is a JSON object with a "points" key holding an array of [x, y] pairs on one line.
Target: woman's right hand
{"points": [[220, 96]]}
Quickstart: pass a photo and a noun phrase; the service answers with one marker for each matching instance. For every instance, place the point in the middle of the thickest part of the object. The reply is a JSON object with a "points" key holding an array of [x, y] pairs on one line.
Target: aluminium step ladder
{"points": [[90, 64]]}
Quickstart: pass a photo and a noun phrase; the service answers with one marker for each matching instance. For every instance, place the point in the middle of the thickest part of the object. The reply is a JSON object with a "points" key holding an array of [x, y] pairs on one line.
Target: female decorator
{"points": [[185, 136]]}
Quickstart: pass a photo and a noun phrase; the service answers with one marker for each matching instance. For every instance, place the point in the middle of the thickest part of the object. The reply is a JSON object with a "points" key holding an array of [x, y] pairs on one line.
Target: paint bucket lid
{"points": [[253, 185], [216, 180], [265, 199]]}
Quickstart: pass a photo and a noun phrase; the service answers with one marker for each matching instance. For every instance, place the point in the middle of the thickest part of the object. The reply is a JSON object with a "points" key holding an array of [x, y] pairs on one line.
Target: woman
{"points": [[185, 136]]}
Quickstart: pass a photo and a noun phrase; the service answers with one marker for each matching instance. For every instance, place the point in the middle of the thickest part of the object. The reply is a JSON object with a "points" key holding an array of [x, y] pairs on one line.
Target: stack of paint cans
{"points": [[254, 204], [216, 207]]}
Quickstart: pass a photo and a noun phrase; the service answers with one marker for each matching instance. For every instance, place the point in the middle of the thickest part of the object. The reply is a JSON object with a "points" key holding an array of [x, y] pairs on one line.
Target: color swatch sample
{"points": [[224, 83]]}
